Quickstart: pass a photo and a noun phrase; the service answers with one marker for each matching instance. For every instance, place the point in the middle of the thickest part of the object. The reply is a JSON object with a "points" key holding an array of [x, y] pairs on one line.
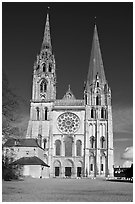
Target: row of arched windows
{"points": [[68, 147], [49, 68], [45, 113], [93, 142], [103, 113]]}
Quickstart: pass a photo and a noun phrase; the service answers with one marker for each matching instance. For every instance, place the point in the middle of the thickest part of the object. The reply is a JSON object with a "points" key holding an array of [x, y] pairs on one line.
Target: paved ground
{"points": [[72, 190]]}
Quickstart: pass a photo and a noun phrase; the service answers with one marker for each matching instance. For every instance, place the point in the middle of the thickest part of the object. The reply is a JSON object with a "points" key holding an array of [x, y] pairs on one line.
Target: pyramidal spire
{"points": [[96, 68], [47, 38]]}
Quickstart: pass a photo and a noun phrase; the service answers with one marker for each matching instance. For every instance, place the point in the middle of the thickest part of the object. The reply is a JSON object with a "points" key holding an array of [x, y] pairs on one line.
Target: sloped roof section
{"points": [[96, 67], [69, 95], [30, 161], [12, 142]]}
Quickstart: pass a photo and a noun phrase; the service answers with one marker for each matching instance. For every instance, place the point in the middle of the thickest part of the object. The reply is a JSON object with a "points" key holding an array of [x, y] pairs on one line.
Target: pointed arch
{"points": [[37, 108], [92, 113], [43, 86], [98, 100], [102, 142], [78, 148], [68, 146], [92, 142], [43, 65], [102, 113], [58, 147], [46, 113]]}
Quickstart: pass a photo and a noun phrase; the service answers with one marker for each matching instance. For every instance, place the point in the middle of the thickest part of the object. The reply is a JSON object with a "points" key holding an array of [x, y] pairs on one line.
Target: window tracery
{"points": [[68, 122]]}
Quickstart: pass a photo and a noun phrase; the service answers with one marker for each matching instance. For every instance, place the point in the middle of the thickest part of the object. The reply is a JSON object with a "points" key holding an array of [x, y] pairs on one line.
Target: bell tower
{"points": [[44, 77], [98, 121], [43, 92]]}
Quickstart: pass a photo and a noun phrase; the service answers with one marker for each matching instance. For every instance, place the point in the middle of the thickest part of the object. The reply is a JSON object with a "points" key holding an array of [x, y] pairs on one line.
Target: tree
{"points": [[10, 110]]}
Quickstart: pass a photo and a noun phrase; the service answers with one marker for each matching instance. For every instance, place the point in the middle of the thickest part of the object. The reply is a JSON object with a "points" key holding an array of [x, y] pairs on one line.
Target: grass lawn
{"points": [[66, 190]]}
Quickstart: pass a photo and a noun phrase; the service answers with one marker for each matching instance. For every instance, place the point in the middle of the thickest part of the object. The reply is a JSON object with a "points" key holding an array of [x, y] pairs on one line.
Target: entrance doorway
{"points": [[79, 169], [57, 171], [68, 171]]}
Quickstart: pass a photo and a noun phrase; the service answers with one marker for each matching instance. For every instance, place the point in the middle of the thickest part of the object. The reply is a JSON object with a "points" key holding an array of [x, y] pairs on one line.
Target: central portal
{"points": [[68, 171]]}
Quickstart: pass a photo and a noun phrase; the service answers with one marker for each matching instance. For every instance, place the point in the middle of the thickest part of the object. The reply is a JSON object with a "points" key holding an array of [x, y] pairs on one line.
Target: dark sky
{"points": [[72, 26]]}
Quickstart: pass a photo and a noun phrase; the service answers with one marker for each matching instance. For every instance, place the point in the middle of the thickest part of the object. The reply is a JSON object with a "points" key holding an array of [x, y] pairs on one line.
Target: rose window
{"points": [[68, 123]]}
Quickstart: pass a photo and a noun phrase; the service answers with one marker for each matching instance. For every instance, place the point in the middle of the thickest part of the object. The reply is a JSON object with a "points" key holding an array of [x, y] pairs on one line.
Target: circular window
{"points": [[68, 123]]}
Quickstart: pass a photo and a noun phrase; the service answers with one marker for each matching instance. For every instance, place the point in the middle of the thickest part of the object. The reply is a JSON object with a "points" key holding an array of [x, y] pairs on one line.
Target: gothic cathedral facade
{"points": [[76, 135]]}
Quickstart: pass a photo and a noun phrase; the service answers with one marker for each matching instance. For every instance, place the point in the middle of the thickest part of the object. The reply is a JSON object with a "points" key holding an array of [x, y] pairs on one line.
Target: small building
{"points": [[27, 153]]}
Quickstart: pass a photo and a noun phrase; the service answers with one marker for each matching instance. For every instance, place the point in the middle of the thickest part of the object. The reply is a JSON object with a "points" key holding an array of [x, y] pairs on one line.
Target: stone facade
{"points": [[76, 135]]}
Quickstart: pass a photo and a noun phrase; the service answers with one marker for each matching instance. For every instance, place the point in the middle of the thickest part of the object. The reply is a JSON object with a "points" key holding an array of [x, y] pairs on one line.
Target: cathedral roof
{"points": [[96, 67], [69, 95], [69, 100]]}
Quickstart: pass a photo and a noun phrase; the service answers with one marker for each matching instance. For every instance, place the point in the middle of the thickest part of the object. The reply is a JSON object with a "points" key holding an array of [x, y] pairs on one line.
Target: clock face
{"points": [[68, 123]]}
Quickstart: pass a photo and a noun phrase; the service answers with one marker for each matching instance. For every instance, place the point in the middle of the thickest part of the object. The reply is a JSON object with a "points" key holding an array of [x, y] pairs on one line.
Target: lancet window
{"points": [[78, 148], [98, 100], [58, 147], [43, 86], [102, 142], [92, 140], [46, 113], [37, 113]]}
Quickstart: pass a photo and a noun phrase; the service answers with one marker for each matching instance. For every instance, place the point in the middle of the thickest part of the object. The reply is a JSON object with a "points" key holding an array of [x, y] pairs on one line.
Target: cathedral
{"points": [[76, 135]]}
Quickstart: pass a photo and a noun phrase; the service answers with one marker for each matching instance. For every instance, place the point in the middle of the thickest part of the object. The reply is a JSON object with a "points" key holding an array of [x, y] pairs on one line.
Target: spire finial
{"points": [[95, 18], [69, 87]]}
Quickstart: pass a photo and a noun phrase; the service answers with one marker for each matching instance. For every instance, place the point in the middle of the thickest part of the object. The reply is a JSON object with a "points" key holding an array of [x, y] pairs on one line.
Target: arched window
{"points": [[98, 100], [37, 113], [40, 140], [102, 142], [92, 140], [68, 146], [46, 111], [92, 113], [78, 148], [97, 84], [43, 67], [50, 68], [45, 141], [58, 147], [102, 113], [43, 86]]}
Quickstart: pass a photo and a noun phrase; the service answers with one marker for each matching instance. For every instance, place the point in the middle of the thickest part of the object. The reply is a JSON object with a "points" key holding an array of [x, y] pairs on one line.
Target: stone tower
{"points": [[43, 95], [98, 150]]}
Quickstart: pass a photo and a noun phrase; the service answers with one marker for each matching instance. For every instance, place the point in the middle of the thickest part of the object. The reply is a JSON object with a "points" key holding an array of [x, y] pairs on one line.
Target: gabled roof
{"points": [[29, 161], [12, 142], [69, 95]]}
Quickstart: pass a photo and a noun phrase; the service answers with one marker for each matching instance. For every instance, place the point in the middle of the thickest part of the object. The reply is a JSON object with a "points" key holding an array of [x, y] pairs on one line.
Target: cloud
{"points": [[122, 139], [123, 119], [128, 154]]}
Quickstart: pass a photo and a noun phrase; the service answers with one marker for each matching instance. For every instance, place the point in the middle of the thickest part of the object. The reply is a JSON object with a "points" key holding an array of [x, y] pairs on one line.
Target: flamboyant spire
{"points": [[47, 38], [96, 68]]}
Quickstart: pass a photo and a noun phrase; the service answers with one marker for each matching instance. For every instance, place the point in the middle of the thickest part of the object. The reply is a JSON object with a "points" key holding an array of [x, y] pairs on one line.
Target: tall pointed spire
{"points": [[96, 67], [47, 38]]}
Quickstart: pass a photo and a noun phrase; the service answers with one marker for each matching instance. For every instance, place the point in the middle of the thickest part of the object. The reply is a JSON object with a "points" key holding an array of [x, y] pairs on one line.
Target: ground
{"points": [[67, 190]]}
